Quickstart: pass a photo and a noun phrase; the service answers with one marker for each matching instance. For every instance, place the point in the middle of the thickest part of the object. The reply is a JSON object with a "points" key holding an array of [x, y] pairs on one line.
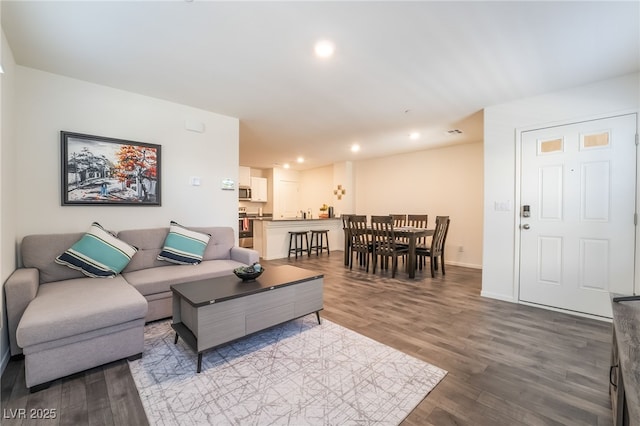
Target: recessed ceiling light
{"points": [[414, 136], [355, 147], [300, 159], [324, 49], [286, 165]]}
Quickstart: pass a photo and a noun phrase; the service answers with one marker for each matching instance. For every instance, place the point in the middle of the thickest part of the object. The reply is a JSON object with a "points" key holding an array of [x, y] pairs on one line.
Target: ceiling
{"points": [[399, 67]]}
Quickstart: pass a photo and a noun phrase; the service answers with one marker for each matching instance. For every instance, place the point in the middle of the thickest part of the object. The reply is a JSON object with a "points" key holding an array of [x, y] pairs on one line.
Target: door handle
{"points": [[526, 226], [611, 376]]}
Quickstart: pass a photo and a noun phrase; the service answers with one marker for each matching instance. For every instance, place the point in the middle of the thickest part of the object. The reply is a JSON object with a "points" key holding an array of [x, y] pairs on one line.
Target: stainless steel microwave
{"points": [[244, 193]]}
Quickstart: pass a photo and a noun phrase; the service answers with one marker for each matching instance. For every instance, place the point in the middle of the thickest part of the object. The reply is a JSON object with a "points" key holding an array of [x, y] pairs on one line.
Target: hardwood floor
{"points": [[508, 364]]}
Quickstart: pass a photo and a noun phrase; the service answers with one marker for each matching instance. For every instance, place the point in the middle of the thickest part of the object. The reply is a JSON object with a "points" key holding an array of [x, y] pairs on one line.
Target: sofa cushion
{"points": [[157, 280], [151, 241], [98, 254], [184, 246], [68, 308], [40, 252]]}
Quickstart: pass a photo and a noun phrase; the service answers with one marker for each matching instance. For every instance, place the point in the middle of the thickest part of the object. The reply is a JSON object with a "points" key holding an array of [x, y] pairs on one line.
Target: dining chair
{"points": [[419, 221], [384, 243], [436, 250], [359, 240], [347, 237], [400, 220]]}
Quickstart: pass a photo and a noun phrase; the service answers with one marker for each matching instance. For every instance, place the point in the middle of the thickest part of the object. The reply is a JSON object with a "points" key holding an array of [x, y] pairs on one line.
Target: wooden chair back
{"points": [[439, 235], [418, 221], [383, 235], [345, 220], [358, 233], [399, 220]]}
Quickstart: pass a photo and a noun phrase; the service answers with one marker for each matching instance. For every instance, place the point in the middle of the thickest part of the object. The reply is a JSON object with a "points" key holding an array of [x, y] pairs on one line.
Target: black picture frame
{"points": [[101, 171]]}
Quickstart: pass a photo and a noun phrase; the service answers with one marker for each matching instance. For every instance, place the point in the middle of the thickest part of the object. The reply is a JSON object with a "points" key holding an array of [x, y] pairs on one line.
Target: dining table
{"points": [[412, 234]]}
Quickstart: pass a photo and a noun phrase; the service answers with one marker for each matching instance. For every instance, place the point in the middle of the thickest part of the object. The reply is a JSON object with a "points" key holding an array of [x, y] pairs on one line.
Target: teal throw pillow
{"points": [[184, 246], [98, 254]]}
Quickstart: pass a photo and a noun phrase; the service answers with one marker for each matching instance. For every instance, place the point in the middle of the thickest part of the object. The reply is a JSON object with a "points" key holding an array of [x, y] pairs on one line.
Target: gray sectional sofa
{"points": [[64, 322]]}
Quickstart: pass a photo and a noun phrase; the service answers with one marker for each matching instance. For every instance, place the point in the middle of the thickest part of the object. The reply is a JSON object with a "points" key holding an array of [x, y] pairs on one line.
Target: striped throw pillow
{"points": [[184, 246], [98, 254]]}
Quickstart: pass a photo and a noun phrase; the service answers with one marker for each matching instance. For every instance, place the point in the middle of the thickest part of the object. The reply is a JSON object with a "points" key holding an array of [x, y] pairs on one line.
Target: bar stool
{"points": [[295, 236], [321, 236]]}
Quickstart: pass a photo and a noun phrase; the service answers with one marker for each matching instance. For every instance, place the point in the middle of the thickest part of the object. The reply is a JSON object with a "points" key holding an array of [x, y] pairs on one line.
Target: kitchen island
{"points": [[271, 236]]}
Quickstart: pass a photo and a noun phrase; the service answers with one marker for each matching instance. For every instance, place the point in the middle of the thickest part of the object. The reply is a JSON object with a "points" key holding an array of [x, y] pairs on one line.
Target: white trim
{"points": [[577, 120], [464, 265], [497, 296], [517, 214], [565, 311], [636, 274]]}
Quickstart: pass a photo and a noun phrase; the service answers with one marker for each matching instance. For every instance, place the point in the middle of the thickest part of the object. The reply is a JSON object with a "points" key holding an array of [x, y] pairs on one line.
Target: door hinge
{"points": [[637, 139], [635, 219]]}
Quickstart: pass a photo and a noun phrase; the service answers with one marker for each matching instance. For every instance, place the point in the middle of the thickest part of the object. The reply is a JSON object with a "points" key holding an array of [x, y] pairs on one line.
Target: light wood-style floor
{"points": [[508, 364]]}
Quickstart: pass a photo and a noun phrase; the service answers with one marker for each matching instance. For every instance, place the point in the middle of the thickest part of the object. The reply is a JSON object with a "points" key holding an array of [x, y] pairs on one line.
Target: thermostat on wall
{"points": [[228, 185]]}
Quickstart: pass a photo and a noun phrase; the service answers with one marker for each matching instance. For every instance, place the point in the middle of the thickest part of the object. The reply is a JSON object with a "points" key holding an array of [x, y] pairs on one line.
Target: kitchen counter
{"points": [[271, 236]]}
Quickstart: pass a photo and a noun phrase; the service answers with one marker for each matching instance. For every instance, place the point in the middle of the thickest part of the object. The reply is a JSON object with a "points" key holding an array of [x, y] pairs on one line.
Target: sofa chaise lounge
{"points": [[65, 322]]}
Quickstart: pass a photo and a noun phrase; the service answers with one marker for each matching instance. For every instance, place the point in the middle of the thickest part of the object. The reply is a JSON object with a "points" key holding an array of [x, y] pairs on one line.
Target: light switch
{"points": [[195, 181], [502, 206]]}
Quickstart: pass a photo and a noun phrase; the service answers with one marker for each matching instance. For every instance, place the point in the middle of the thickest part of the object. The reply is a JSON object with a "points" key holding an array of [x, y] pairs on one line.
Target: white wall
{"points": [[8, 186], [48, 103], [343, 175], [437, 182], [502, 124], [316, 189]]}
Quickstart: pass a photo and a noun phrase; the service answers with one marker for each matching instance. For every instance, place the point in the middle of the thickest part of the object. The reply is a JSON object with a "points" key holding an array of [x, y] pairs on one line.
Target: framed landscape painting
{"points": [[106, 171]]}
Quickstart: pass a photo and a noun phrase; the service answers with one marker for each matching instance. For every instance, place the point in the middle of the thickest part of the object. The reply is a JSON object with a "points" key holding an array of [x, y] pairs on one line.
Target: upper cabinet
{"points": [[245, 176], [259, 189]]}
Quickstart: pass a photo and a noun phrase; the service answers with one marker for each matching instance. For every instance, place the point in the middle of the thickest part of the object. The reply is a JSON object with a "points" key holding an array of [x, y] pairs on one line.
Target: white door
{"points": [[577, 245]]}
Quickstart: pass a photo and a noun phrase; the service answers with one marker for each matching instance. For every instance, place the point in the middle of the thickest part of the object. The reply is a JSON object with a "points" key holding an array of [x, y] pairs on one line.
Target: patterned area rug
{"points": [[298, 373]]}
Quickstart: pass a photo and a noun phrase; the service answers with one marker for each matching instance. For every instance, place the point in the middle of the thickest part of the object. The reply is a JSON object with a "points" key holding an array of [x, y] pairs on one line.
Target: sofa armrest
{"points": [[244, 255], [20, 289]]}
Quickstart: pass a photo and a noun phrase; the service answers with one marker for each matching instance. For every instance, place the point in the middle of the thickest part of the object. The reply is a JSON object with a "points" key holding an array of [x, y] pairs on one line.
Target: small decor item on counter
{"points": [[323, 212], [249, 273]]}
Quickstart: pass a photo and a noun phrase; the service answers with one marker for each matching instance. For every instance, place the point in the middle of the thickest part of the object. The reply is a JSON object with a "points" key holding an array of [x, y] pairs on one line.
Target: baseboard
{"points": [[4, 360], [498, 296], [464, 265]]}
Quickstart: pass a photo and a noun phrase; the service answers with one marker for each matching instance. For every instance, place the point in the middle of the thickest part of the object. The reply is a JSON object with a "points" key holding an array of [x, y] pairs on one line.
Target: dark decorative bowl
{"points": [[248, 276]]}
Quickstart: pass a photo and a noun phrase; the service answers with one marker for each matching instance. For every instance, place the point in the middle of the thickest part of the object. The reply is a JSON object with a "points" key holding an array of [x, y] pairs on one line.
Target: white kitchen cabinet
{"points": [[245, 176], [259, 189]]}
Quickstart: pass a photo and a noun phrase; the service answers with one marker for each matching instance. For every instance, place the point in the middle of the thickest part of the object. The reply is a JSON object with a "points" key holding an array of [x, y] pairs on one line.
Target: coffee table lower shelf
{"points": [[192, 341]]}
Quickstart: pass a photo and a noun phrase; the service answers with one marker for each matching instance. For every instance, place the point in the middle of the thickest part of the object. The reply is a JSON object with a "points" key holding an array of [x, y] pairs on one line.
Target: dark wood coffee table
{"points": [[212, 312]]}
